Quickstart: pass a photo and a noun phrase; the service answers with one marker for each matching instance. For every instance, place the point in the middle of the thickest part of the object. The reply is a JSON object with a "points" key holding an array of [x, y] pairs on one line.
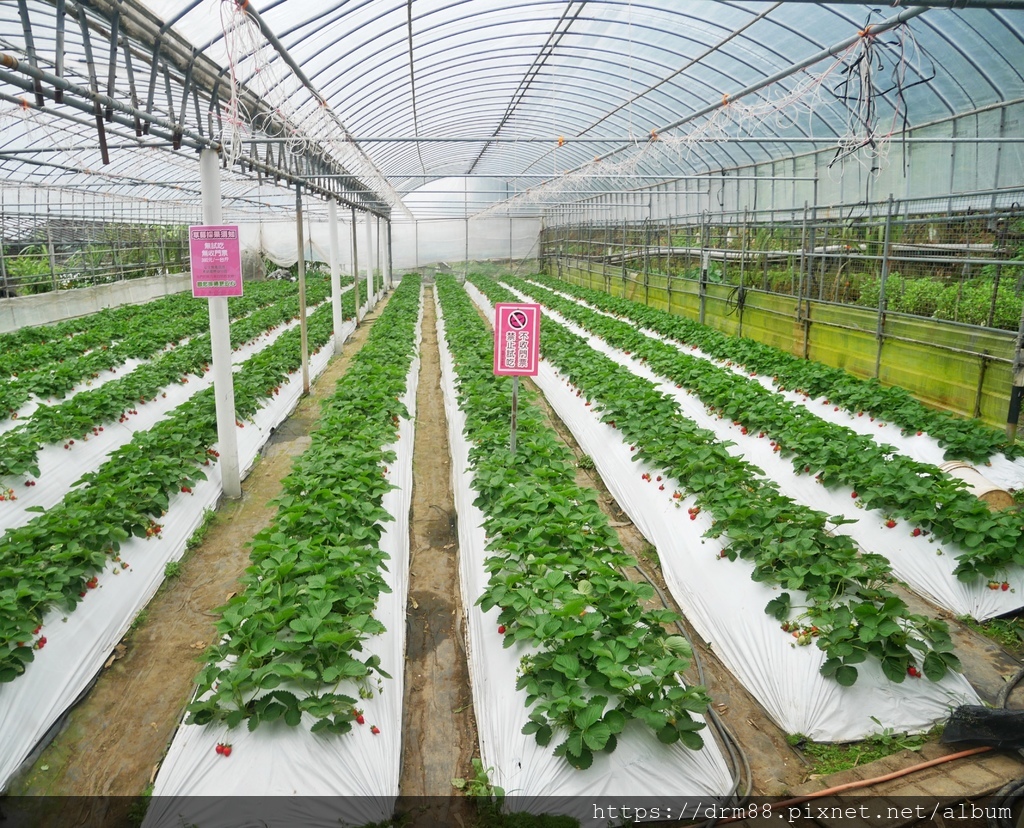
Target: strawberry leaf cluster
{"points": [[963, 439], [599, 658], [884, 479], [292, 641], [789, 545]]}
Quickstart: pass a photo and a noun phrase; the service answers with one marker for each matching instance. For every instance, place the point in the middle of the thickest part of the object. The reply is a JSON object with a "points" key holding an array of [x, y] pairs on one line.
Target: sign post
{"points": [[216, 274], [516, 348]]}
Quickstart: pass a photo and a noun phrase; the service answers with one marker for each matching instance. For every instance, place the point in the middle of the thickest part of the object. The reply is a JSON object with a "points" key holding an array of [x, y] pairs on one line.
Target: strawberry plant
{"points": [[881, 477], [597, 658], [843, 593], [48, 561], [964, 439], [164, 322], [292, 639], [115, 400]]}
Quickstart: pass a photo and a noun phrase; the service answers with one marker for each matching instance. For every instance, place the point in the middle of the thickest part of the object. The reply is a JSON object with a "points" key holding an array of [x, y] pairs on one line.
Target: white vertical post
{"points": [[380, 265], [220, 340], [332, 230], [355, 267], [369, 263], [388, 273], [303, 331]]}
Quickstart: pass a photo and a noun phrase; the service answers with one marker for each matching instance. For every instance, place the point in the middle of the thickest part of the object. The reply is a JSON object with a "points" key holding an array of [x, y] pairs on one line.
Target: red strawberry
{"points": [[501, 629], [374, 730], [226, 752], [916, 532], [891, 524], [854, 495], [360, 719], [220, 748], [1005, 586], [913, 671]]}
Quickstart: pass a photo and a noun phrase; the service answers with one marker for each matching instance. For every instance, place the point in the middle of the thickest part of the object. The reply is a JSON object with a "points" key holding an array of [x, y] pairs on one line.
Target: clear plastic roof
{"points": [[400, 93]]}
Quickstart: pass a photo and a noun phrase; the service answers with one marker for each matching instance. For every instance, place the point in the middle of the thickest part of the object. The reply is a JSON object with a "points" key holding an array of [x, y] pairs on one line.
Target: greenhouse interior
{"points": [[511, 412]]}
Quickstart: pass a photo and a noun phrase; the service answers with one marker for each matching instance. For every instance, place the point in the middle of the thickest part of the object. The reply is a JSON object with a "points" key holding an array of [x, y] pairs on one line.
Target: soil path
{"points": [[112, 742], [439, 730]]}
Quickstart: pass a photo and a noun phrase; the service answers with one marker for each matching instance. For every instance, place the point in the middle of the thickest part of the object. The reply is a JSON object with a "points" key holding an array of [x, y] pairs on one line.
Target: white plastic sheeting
{"points": [[429, 242], [280, 761], [640, 766], [78, 644], [58, 474], [924, 562], [726, 607]]}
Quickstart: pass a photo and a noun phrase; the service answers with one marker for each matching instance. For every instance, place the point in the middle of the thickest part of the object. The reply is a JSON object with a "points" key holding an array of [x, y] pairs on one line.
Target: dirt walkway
{"points": [[113, 741], [439, 731]]}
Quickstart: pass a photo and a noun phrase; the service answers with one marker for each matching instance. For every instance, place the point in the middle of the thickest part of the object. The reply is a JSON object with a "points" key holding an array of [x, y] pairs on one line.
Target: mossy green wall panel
{"points": [[843, 337], [940, 363]]}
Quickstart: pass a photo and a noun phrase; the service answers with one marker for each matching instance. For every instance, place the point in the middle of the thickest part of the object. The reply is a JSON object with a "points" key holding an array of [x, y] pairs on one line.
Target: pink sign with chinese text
{"points": [[516, 339], [216, 260]]}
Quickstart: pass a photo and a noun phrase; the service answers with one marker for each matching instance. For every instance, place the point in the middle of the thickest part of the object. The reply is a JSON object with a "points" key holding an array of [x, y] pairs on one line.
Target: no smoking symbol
{"points": [[518, 320]]}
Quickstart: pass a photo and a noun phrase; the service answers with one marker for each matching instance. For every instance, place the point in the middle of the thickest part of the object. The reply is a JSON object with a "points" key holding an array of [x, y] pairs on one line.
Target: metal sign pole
{"points": [[515, 411], [220, 341]]}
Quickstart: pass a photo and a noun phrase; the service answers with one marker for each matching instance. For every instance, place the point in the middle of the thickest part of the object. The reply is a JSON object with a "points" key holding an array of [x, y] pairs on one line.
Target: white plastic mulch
{"points": [[641, 766], [350, 779], [79, 643], [726, 606]]}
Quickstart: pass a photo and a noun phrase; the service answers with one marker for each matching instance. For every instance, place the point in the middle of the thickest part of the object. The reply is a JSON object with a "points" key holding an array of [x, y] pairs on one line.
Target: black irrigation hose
{"points": [[735, 300], [739, 765], [1013, 792]]}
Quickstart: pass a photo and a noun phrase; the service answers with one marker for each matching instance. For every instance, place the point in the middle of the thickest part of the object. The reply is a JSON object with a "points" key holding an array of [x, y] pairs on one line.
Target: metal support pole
{"points": [[380, 256], [220, 341], [332, 231], [303, 332], [388, 260], [515, 412], [1017, 391], [880, 329], [355, 267], [369, 263]]}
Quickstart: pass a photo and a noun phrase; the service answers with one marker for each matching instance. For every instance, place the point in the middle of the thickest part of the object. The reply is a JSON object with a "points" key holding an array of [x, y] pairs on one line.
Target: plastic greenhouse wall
{"points": [[958, 368]]}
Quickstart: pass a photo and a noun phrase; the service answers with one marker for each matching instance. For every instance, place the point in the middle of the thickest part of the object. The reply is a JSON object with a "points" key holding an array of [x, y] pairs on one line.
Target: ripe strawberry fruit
{"points": [[226, 752], [1005, 586], [374, 730], [854, 495], [916, 532], [913, 671], [219, 749], [501, 630], [891, 524]]}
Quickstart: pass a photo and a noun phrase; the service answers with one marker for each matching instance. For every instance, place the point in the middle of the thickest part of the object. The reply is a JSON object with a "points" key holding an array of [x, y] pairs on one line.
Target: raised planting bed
{"points": [[311, 653], [812, 582], [917, 498], [591, 672]]}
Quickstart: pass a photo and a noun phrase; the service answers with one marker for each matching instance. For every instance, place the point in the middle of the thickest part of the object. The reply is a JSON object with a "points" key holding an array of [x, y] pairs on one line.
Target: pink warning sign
{"points": [[516, 339], [216, 260]]}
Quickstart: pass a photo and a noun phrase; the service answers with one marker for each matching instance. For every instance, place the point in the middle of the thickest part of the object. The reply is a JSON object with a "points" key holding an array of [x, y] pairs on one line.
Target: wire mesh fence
{"points": [[58, 254], [936, 259]]}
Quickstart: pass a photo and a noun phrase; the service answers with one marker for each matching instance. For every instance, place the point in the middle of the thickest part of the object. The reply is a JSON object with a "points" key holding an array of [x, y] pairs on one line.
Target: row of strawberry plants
{"points": [[598, 659], [963, 439], [850, 612], [164, 324], [881, 477], [52, 560], [30, 348], [87, 412], [306, 610]]}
